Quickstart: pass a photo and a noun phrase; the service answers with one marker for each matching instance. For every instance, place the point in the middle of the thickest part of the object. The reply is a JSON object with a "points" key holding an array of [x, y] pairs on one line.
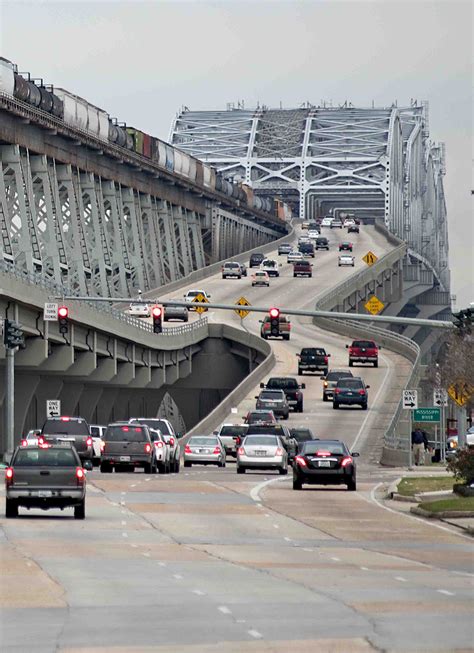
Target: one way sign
{"points": [[440, 397], [410, 399]]}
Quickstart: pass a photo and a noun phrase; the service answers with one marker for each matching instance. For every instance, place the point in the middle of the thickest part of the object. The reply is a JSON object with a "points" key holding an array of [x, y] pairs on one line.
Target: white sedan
{"points": [[191, 295], [349, 222], [346, 259], [139, 309], [313, 234], [294, 257], [326, 222], [260, 278]]}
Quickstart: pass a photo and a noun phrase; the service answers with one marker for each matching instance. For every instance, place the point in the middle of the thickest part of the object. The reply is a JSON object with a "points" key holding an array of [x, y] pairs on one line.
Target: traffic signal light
{"points": [[63, 314], [274, 321], [13, 334], [157, 315], [463, 320]]}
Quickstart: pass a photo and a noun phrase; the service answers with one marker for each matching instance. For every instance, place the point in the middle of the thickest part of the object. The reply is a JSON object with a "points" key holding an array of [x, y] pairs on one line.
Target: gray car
{"points": [[126, 447], [262, 452], [176, 313], [69, 430], [169, 435], [46, 476], [204, 450], [273, 400]]}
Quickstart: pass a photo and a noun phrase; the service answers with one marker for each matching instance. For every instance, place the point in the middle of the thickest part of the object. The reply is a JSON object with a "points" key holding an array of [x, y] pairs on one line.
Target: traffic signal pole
{"points": [[9, 400]]}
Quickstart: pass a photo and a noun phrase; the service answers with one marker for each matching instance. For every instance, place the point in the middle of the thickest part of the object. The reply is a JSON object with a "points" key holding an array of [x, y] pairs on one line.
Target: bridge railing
{"points": [[40, 279]]}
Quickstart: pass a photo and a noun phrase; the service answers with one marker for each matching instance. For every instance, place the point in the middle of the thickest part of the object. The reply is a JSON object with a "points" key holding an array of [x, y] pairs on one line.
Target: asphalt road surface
{"points": [[208, 561]]}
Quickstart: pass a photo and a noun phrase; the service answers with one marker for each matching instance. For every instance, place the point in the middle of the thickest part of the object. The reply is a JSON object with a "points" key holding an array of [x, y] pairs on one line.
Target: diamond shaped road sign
{"points": [[200, 299], [374, 305], [370, 258], [460, 392], [242, 301]]}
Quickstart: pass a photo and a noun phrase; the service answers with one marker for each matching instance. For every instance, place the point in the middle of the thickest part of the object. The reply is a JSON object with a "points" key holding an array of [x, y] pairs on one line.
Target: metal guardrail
{"points": [[39, 279]]}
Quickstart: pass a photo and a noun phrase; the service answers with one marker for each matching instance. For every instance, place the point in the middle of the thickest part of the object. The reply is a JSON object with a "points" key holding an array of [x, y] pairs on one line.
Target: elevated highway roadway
{"points": [[210, 561]]}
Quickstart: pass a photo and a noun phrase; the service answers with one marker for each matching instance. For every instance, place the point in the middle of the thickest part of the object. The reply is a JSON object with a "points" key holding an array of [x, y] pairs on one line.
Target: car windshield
{"points": [[271, 394], [269, 440], [154, 423], [335, 376], [65, 426], [312, 351], [232, 265], [301, 435], [156, 436], [127, 432], [350, 384], [261, 415], [257, 429], [336, 448], [233, 430], [283, 384], [56, 457], [141, 306], [196, 439], [364, 344]]}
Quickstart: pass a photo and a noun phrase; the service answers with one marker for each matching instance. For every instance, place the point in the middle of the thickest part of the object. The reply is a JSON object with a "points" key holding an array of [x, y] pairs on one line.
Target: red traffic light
{"points": [[274, 312], [63, 311], [157, 311]]}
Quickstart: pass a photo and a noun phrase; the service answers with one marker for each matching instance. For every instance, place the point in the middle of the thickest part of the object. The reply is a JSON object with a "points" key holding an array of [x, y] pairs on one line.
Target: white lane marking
{"points": [[267, 515], [199, 592], [124, 534], [148, 479], [162, 564], [113, 503], [122, 503], [374, 402], [401, 579], [255, 633], [240, 621], [133, 485], [408, 516], [124, 523], [446, 592], [365, 568], [178, 576], [144, 553], [135, 546], [308, 550], [275, 526], [336, 559], [287, 539], [255, 491], [123, 493], [224, 609]]}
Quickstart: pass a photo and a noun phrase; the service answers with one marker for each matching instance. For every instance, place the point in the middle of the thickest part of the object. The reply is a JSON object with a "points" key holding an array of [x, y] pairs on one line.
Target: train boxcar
{"points": [[7, 77]]}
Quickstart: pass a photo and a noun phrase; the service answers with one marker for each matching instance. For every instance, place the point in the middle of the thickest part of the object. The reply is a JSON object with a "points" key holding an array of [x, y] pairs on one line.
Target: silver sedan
{"points": [[262, 452], [204, 450], [176, 313]]}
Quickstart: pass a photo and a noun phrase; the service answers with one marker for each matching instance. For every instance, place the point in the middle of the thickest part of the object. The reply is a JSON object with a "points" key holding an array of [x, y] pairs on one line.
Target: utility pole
{"points": [[12, 339]]}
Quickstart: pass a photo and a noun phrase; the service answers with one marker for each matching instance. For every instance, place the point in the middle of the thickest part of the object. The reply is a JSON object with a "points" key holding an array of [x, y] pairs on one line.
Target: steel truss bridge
{"points": [[377, 163], [98, 219]]}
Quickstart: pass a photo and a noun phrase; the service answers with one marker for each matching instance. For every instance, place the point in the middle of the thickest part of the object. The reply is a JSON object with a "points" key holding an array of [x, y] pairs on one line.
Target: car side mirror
{"points": [[367, 386], [256, 397], [298, 355], [261, 321], [355, 454], [215, 432], [88, 465], [262, 385], [328, 355], [380, 347], [303, 386], [323, 378], [347, 346]]}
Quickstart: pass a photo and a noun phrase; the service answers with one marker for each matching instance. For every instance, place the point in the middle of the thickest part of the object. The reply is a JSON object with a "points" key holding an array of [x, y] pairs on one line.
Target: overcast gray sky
{"points": [[141, 61]]}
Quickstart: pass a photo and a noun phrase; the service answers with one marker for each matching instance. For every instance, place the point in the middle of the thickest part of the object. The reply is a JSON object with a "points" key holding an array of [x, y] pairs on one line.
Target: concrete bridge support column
{"points": [[25, 388]]}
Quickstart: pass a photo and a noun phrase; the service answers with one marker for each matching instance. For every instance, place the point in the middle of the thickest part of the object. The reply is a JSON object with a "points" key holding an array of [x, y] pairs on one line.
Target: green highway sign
{"points": [[427, 415]]}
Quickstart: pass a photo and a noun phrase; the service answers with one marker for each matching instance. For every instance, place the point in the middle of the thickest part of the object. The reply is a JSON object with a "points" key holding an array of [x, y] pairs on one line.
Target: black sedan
{"points": [[353, 229], [324, 462]]}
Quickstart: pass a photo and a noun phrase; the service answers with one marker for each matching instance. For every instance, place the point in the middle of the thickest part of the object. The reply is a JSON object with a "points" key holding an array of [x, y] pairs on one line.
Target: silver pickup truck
{"points": [[46, 476], [231, 436]]}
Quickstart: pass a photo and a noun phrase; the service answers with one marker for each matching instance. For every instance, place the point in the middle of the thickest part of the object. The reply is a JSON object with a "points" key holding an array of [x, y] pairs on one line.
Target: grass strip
{"points": [[409, 486], [460, 504]]}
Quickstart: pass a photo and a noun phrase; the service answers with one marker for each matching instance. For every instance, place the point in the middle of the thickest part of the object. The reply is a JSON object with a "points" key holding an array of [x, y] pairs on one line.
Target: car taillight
{"points": [[147, 447], [347, 460], [326, 359], [89, 442], [241, 451], [362, 392], [279, 452], [325, 384], [237, 440], [216, 450], [301, 461], [9, 475], [351, 350], [159, 444], [337, 391], [102, 445], [171, 442], [79, 474], [24, 443], [323, 453], [40, 440], [187, 449]]}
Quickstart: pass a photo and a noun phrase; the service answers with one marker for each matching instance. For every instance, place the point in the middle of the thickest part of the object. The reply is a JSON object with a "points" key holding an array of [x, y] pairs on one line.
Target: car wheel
{"points": [[105, 468], [364, 406], [11, 508], [147, 468], [299, 407], [177, 466], [283, 471], [187, 463], [297, 484], [352, 485], [300, 372], [325, 398], [351, 364], [286, 336], [80, 510], [294, 275], [335, 405], [154, 467], [240, 470], [376, 364]]}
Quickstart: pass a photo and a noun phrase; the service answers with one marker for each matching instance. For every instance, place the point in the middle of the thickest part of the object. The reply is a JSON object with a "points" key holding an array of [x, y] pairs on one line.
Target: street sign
{"points": [[374, 305], [53, 407], [440, 397], [200, 299], [460, 392], [410, 399], [370, 258], [427, 415], [50, 312], [242, 302]]}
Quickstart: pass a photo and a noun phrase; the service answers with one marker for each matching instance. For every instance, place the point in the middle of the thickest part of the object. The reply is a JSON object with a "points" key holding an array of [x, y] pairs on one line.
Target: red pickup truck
{"points": [[303, 269], [363, 351]]}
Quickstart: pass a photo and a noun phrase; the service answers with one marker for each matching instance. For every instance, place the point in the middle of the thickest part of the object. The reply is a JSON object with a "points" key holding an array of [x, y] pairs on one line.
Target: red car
{"points": [[363, 351]]}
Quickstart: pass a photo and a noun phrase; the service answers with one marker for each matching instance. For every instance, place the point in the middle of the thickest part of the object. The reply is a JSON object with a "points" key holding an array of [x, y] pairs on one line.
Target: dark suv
{"points": [[256, 259], [127, 446], [307, 249], [313, 359], [350, 391], [325, 462], [290, 387], [322, 243], [69, 430], [363, 351]]}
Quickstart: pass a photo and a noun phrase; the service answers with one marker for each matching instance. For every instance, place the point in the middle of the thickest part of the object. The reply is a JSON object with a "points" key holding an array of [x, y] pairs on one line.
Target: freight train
{"points": [[82, 115]]}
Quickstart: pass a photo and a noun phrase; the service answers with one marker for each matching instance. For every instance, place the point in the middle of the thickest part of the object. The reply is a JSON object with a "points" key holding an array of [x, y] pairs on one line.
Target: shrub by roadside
{"points": [[462, 465]]}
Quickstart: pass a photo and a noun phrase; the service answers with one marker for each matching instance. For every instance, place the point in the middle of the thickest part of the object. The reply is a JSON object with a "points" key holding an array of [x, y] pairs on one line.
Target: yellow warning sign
{"points": [[460, 392], [242, 302], [370, 258], [374, 305], [200, 299]]}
